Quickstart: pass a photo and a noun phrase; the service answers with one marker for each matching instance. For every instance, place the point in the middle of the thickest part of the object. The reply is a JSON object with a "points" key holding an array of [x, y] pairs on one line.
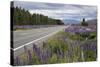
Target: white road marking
{"points": [[24, 33]]}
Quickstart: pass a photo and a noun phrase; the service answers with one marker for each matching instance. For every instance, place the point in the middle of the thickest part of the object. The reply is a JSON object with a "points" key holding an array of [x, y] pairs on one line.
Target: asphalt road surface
{"points": [[27, 37]]}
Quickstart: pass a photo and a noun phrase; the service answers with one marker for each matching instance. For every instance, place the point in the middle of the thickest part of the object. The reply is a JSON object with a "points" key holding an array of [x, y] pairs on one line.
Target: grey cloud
{"points": [[67, 10]]}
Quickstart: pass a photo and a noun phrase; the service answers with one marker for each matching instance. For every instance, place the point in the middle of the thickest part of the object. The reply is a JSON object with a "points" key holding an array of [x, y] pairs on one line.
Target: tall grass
{"points": [[64, 47]]}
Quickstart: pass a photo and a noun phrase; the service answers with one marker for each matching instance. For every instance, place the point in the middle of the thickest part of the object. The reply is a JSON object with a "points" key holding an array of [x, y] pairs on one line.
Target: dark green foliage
{"points": [[93, 35], [88, 35], [83, 23], [23, 17], [90, 55], [59, 22]]}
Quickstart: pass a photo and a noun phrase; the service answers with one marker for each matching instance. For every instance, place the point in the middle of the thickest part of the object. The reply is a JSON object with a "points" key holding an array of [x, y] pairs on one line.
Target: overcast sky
{"points": [[59, 11]]}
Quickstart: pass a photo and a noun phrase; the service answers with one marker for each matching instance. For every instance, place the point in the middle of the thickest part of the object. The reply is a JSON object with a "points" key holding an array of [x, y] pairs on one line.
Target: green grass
{"points": [[89, 55], [63, 42]]}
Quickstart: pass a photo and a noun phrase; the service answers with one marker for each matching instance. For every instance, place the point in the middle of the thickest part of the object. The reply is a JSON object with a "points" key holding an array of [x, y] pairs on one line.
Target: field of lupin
{"points": [[73, 44]]}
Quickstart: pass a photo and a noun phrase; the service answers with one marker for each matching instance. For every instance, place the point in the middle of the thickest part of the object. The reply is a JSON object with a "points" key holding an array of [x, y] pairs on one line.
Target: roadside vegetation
{"points": [[64, 47]]}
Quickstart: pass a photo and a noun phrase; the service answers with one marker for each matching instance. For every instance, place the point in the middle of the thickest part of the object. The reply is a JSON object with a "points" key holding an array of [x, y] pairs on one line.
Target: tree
{"points": [[23, 17], [84, 23], [59, 22]]}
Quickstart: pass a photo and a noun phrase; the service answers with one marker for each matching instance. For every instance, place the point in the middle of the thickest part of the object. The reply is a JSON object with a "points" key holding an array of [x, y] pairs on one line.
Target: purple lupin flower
{"points": [[17, 61], [29, 55], [60, 53], [25, 49], [48, 53], [58, 56], [90, 45], [77, 29], [37, 51], [34, 47], [43, 57]]}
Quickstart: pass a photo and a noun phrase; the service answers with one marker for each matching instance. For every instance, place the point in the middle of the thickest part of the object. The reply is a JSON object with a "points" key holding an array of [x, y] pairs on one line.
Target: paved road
{"points": [[27, 37]]}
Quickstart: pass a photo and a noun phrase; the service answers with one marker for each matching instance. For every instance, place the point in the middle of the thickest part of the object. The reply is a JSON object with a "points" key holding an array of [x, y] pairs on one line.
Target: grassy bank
{"points": [[63, 47]]}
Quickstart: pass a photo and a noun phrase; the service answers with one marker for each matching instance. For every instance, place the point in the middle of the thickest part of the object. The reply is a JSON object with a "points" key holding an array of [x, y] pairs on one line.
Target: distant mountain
{"points": [[68, 21], [92, 22]]}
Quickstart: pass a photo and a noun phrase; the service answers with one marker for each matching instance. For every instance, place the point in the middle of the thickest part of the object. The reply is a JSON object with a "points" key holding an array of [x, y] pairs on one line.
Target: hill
{"points": [[92, 22], [70, 21]]}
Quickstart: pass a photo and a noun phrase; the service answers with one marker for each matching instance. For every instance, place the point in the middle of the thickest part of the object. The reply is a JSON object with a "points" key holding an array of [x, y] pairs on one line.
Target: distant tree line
{"points": [[23, 17]]}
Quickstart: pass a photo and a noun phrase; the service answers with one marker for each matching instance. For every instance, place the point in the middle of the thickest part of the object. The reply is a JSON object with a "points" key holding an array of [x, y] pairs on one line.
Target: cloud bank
{"points": [[59, 11]]}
